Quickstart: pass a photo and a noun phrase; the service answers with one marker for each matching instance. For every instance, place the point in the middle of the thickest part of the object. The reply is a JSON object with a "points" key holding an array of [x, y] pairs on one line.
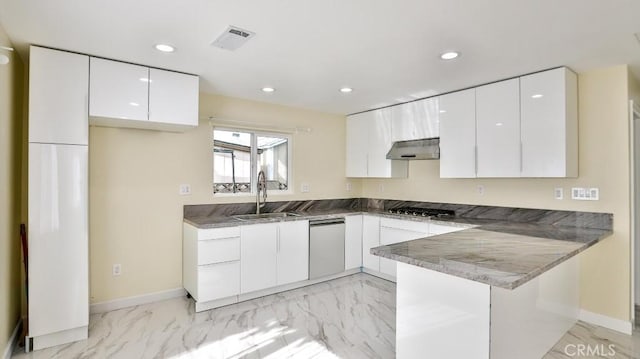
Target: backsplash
{"points": [[227, 209], [511, 214]]}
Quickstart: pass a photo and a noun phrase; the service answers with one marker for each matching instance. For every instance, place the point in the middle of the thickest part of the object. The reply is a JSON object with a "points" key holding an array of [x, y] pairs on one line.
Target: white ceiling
{"points": [[388, 51]]}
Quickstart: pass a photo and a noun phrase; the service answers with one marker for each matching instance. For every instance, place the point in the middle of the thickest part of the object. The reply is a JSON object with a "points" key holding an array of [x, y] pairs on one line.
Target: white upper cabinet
{"points": [[379, 144], [498, 129], [414, 120], [58, 97], [458, 134], [368, 141], [127, 95], [549, 122], [357, 145], [119, 90], [173, 98]]}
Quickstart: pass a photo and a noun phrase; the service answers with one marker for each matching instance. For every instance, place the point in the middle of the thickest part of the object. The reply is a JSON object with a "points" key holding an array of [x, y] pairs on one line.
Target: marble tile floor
{"points": [[350, 317]]}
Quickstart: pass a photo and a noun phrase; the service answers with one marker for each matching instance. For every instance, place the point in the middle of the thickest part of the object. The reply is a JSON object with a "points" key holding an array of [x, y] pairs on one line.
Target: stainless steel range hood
{"points": [[423, 149]]}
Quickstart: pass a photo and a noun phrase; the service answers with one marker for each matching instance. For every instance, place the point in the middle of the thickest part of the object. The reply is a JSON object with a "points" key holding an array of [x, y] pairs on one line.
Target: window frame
{"points": [[254, 161]]}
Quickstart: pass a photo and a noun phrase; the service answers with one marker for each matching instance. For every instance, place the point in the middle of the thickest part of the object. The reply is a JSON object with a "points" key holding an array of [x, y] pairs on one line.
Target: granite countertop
{"points": [[499, 253], [206, 222], [504, 255]]}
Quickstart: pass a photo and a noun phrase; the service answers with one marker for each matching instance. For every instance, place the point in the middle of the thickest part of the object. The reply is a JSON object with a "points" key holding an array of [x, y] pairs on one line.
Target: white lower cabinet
{"points": [[292, 252], [435, 229], [258, 253], [352, 242], [211, 262], [395, 231], [273, 254], [370, 239], [219, 280]]}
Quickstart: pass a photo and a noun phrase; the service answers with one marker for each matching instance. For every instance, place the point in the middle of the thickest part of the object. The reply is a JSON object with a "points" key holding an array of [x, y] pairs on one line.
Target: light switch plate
{"points": [[558, 193], [184, 189]]}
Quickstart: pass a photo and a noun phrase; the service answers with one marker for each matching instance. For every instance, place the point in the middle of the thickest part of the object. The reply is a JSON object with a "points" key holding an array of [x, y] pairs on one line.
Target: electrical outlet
{"points": [[348, 186], [184, 189], [585, 194], [558, 193], [381, 187], [117, 270], [480, 189], [305, 188]]}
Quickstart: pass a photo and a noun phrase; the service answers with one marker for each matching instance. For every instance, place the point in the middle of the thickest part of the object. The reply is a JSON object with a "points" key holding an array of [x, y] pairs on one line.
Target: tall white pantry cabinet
{"points": [[58, 198]]}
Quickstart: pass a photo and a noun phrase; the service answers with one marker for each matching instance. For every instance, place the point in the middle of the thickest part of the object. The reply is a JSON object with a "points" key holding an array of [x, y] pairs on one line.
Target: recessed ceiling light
{"points": [[165, 48], [134, 104], [499, 124], [144, 79], [449, 55], [443, 111], [346, 89], [268, 89], [536, 95]]}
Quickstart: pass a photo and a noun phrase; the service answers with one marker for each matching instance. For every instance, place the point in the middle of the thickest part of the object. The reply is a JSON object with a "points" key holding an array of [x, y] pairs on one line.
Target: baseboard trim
{"points": [[13, 339], [618, 325], [110, 305]]}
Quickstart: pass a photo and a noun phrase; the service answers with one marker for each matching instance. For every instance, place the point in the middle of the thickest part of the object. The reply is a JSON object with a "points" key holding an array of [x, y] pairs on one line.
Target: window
{"points": [[238, 156]]}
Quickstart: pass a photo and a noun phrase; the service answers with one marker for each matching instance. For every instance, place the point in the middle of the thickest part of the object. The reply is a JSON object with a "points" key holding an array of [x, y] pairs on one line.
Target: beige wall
{"points": [[604, 163], [10, 169], [135, 209]]}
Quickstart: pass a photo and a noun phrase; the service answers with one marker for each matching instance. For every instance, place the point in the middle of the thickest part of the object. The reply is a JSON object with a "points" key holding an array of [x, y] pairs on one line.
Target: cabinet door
{"points": [[357, 144], [458, 134], [58, 238], [173, 98], [402, 123], [370, 239], [353, 242], [293, 252], [118, 90], [414, 120], [379, 127], [258, 257], [426, 119], [498, 129], [549, 124], [58, 97], [435, 229]]}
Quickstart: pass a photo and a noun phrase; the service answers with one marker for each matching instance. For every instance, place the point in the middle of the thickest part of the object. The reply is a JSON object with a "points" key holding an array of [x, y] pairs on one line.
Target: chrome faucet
{"points": [[261, 186]]}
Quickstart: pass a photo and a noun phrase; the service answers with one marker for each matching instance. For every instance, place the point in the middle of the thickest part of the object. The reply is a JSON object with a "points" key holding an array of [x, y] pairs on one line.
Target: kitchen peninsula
{"points": [[497, 290]]}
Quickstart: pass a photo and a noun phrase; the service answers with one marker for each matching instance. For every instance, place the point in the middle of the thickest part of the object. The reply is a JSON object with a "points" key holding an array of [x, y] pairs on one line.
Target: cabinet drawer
{"points": [[414, 226], [218, 250], [435, 229], [217, 281], [215, 233]]}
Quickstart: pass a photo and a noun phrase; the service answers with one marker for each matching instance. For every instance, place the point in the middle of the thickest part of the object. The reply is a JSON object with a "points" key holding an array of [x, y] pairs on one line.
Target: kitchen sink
{"points": [[248, 217]]}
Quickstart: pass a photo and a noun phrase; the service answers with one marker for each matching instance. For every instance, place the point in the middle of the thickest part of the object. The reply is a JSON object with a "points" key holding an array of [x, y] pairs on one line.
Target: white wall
{"points": [[135, 209]]}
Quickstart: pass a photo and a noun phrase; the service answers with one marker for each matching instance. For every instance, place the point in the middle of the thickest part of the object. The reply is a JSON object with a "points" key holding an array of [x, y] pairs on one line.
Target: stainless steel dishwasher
{"points": [[326, 247]]}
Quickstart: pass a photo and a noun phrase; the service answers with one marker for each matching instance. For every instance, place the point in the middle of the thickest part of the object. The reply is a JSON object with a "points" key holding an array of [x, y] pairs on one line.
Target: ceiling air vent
{"points": [[232, 38]]}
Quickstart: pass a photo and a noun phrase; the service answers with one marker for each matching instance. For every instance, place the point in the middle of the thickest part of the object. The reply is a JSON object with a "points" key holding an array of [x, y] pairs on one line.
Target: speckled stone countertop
{"points": [[504, 255], [205, 222]]}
